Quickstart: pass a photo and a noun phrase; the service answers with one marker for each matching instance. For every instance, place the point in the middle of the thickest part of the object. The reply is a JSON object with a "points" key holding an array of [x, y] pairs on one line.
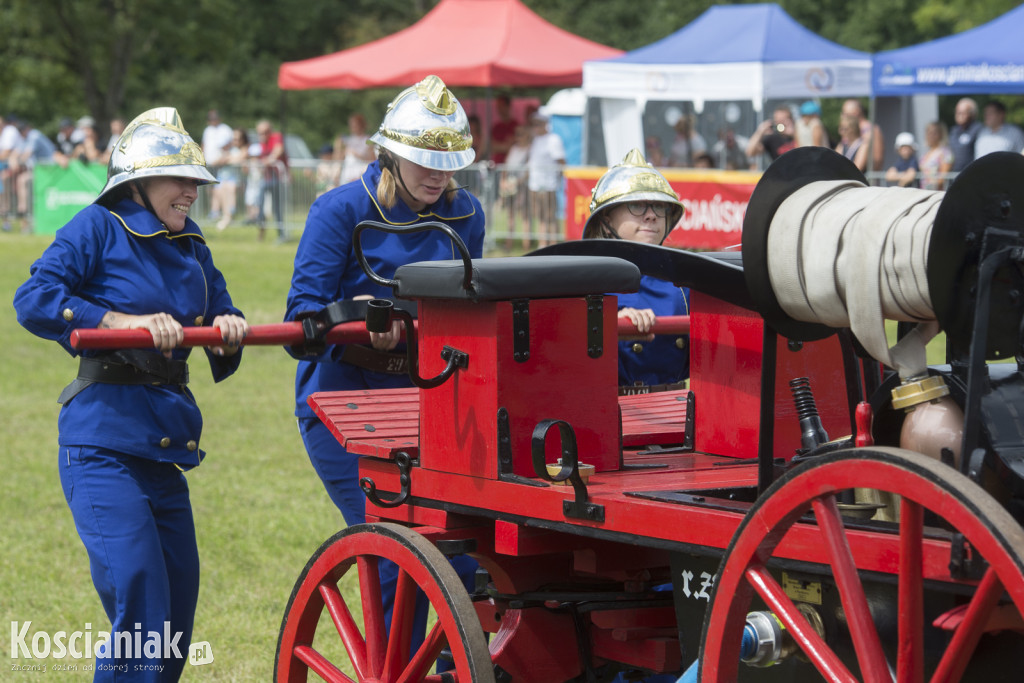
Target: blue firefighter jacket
{"points": [[125, 260]]}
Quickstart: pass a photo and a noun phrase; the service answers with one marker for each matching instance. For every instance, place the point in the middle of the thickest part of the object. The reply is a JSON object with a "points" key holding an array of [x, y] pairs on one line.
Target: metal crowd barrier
{"points": [[512, 220], [501, 189]]}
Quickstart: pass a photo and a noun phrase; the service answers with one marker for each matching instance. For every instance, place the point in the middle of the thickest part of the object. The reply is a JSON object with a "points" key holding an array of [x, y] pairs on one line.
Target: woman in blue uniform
{"points": [[129, 427], [634, 202], [422, 141]]}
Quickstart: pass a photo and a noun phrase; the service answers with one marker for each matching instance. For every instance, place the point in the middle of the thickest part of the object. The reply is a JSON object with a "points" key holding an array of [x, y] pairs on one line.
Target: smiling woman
{"points": [[169, 198], [129, 427]]}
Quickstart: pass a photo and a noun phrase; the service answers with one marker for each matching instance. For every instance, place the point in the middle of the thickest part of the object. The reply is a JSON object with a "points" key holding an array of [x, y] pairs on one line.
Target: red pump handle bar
{"points": [[287, 334]]}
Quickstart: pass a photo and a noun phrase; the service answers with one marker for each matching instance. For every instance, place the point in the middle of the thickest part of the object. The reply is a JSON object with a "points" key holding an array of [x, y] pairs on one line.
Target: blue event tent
{"points": [[734, 52], [988, 59], [751, 54]]}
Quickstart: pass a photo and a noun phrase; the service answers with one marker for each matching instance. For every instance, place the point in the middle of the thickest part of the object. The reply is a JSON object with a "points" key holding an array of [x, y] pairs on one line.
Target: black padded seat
{"points": [[507, 278]]}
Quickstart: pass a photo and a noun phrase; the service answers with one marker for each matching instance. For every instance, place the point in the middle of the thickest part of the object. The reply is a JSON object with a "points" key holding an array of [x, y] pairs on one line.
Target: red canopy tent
{"points": [[468, 43]]}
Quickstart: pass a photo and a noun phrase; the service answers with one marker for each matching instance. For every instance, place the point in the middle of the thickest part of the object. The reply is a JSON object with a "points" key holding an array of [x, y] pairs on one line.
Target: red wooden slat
{"points": [[648, 419]]}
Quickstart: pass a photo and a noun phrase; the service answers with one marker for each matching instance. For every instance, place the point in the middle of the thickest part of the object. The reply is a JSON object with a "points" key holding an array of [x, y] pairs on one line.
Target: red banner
{"points": [[715, 203]]}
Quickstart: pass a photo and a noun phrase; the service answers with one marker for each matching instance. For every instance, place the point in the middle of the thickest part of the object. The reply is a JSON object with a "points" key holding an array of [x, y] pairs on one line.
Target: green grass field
{"points": [[260, 509]]}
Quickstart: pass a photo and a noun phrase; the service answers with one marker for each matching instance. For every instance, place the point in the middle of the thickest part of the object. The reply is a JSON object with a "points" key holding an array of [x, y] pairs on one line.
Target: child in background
{"points": [[904, 172]]}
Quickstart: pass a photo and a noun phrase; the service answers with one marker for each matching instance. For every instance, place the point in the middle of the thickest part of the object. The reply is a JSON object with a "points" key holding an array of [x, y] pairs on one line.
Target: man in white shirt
{"points": [[997, 135], [544, 168], [10, 140], [217, 138], [10, 137]]}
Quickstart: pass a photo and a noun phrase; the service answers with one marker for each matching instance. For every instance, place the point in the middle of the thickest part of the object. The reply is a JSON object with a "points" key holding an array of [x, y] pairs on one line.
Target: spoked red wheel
{"points": [[916, 554], [375, 653]]}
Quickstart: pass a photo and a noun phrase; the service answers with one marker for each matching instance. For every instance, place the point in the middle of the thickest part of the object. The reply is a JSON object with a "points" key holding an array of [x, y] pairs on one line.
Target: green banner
{"points": [[59, 193]]}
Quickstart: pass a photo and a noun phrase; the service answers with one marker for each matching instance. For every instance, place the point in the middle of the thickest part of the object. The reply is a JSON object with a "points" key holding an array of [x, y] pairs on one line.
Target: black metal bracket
{"points": [[578, 508], [404, 462], [691, 425], [504, 442], [595, 325], [505, 453], [521, 330], [380, 313]]}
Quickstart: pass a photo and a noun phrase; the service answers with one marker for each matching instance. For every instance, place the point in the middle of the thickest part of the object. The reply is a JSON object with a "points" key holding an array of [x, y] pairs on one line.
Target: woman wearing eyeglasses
{"points": [[634, 202]]}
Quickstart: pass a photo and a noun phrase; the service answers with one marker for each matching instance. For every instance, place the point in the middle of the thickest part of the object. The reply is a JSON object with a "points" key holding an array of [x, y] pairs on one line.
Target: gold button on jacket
{"points": [[191, 445], [165, 442], [199, 320], [638, 347], [68, 314]]}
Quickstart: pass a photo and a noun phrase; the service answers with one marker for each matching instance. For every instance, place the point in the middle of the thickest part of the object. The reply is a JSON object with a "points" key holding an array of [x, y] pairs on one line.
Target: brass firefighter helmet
{"points": [[156, 143], [631, 180], [426, 125]]}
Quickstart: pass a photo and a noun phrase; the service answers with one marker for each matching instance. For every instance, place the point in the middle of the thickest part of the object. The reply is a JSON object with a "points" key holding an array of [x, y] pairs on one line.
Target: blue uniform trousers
{"points": [[135, 519]]}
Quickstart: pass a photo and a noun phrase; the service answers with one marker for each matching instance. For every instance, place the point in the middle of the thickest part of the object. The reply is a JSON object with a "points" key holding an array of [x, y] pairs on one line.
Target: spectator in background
{"points": [[964, 133], [687, 144], [703, 160], [253, 181], [233, 164], [10, 140], [904, 171], [116, 128], [871, 135], [513, 185], [88, 151], [503, 131], [216, 139], [997, 135], [810, 131], [851, 145], [274, 161], [655, 157], [937, 160], [547, 157], [81, 125], [10, 136], [773, 137], [358, 152], [63, 143], [730, 151], [35, 149]]}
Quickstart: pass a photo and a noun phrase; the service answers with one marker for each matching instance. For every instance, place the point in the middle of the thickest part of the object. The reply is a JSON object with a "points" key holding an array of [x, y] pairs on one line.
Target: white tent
{"points": [[750, 53]]}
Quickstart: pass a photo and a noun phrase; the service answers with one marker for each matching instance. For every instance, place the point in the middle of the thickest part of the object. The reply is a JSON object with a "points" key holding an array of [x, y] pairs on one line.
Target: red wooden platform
{"points": [[383, 422]]}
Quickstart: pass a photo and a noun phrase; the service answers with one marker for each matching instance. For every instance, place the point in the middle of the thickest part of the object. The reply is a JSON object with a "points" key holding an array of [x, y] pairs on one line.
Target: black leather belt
{"points": [[126, 367], [372, 359], [635, 389]]}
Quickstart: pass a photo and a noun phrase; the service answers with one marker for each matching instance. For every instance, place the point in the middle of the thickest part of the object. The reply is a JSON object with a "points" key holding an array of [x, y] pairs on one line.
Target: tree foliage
{"points": [[119, 57]]}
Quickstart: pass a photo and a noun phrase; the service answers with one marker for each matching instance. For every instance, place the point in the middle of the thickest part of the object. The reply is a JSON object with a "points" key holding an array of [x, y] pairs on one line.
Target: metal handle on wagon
{"points": [[467, 260]]}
